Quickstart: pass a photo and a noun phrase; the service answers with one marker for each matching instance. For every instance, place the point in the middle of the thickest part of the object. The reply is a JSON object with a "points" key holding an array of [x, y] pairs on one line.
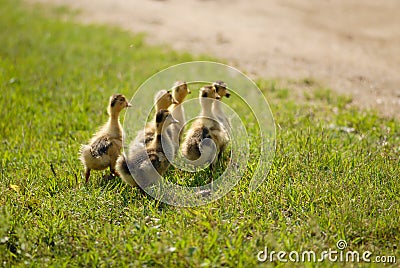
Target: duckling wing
{"points": [[100, 147], [158, 159], [192, 142]]}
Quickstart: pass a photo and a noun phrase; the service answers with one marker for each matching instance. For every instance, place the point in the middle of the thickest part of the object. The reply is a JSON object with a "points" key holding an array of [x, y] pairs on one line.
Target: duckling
{"points": [[142, 160], [222, 91], [179, 93], [105, 146], [162, 100], [205, 127]]}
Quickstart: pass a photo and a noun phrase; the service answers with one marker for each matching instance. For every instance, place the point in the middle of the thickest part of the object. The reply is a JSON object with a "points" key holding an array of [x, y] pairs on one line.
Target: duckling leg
{"points": [[213, 166], [113, 172], [87, 174], [113, 164], [220, 155]]}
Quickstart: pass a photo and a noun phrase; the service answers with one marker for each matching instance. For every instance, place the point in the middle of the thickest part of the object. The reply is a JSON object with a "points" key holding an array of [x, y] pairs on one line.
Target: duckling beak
{"points": [[227, 94], [217, 96], [188, 91], [175, 102], [128, 105]]}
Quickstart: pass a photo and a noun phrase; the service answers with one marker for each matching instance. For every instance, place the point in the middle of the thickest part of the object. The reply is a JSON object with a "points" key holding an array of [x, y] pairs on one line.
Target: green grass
{"points": [[335, 174]]}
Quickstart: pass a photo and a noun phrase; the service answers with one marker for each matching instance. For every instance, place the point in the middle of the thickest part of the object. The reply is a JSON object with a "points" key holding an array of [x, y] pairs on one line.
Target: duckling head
{"points": [[164, 119], [221, 88], [209, 92], [117, 103], [163, 99], [180, 91]]}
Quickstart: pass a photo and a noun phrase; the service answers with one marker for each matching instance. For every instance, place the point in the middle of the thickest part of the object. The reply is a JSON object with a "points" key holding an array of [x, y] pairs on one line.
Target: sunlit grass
{"points": [[335, 174]]}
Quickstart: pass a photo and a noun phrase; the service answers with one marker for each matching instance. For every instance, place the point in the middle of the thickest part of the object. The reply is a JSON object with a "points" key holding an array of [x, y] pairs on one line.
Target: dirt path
{"points": [[351, 46]]}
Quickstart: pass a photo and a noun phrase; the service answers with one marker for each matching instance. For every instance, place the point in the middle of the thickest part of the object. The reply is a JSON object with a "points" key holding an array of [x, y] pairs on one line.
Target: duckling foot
{"points": [[108, 177]]}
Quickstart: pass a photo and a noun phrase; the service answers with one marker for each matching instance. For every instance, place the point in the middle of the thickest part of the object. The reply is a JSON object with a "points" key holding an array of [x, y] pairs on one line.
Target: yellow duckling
{"points": [[147, 163], [205, 127], [219, 113], [179, 92], [222, 91], [105, 146], [162, 100]]}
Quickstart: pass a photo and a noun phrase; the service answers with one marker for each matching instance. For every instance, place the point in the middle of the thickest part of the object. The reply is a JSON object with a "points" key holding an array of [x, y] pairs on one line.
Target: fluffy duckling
{"points": [[222, 91], [142, 160], [205, 127], [162, 100], [179, 92], [219, 113], [105, 146]]}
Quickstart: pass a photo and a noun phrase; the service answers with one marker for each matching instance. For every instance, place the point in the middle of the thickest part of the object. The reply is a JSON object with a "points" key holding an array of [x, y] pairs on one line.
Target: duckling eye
{"points": [[113, 102]]}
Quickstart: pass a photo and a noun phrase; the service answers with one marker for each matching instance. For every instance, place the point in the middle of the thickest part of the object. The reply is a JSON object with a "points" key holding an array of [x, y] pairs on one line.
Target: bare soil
{"points": [[351, 46]]}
